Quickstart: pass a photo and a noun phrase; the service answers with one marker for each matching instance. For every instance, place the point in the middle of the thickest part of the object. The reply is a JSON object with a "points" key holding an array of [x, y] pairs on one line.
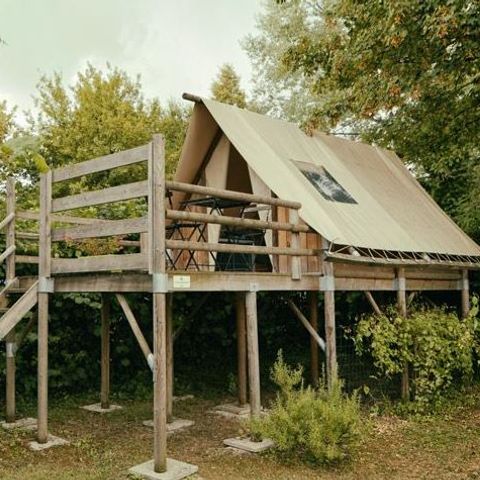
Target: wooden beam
{"points": [[373, 303], [137, 331], [105, 353], [253, 353], [26, 259], [99, 197], [318, 340], [234, 221], [108, 229], [100, 263], [30, 215], [241, 348], [234, 248], [107, 162], [231, 195], [314, 360]]}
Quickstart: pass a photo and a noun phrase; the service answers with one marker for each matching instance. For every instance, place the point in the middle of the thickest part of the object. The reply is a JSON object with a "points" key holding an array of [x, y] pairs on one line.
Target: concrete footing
{"points": [[175, 425], [52, 441], [248, 445], [175, 470], [20, 424], [232, 410], [97, 408]]}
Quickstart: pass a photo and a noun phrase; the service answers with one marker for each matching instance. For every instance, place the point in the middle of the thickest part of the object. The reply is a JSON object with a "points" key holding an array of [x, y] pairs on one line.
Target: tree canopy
{"points": [[226, 87], [404, 75]]}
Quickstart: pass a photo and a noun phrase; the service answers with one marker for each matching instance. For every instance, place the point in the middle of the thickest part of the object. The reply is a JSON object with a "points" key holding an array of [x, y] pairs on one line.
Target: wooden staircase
{"points": [[12, 315]]}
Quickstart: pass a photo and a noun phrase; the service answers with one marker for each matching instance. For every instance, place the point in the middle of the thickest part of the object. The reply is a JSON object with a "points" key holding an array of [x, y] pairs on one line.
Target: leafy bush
{"points": [[437, 345], [317, 426]]}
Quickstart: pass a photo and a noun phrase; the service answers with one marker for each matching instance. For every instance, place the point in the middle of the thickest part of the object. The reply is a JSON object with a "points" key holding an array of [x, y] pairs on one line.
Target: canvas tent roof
{"points": [[390, 211]]}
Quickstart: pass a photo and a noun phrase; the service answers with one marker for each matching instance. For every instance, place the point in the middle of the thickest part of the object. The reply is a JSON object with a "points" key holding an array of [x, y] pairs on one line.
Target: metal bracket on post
{"points": [[400, 283], [11, 349], [327, 283], [160, 283], [46, 285]]}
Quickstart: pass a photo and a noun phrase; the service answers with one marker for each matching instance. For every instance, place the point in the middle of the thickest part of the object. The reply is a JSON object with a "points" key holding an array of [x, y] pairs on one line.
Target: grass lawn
{"points": [[103, 447]]}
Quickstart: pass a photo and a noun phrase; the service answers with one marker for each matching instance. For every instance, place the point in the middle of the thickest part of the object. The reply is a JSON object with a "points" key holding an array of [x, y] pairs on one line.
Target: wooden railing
{"points": [[156, 190]]}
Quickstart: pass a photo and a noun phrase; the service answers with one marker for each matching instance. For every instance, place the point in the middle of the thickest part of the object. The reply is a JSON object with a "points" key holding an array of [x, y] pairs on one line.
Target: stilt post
{"points": [[170, 366], [9, 277], [330, 326], [156, 210], [253, 352], [402, 310], [465, 294], [241, 348], [43, 289], [313, 302], [105, 353]]}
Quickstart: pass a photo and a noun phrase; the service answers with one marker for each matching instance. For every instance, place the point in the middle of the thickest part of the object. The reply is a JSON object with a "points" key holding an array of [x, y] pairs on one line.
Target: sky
{"points": [[175, 45]]}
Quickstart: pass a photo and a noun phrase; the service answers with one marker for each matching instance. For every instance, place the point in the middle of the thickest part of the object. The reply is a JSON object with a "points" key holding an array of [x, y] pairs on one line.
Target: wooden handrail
{"points": [[107, 162], [231, 195], [7, 220], [235, 248], [7, 253], [234, 221]]}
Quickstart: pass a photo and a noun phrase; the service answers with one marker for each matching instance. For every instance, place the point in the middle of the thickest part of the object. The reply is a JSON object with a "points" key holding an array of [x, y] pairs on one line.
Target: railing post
{"points": [[156, 209], [44, 269], [296, 263], [9, 277]]}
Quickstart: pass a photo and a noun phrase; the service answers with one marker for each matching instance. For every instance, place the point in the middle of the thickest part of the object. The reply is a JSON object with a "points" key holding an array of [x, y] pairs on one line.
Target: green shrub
{"points": [[317, 426], [437, 346]]}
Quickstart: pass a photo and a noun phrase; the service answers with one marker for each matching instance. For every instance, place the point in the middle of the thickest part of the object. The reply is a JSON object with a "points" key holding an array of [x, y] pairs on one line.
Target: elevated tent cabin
{"points": [[255, 205]]}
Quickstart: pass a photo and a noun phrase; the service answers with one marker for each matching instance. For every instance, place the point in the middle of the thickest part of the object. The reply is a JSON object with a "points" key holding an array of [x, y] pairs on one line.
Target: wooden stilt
{"points": [[156, 209], [330, 326], [313, 301], [241, 348], [42, 431], [10, 412], [105, 353], [253, 353], [159, 383], [465, 294], [402, 310], [44, 269], [170, 366], [10, 406]]}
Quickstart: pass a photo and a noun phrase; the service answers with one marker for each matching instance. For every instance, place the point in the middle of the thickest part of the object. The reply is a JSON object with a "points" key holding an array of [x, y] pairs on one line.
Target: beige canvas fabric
{"points": [[392, 211]]}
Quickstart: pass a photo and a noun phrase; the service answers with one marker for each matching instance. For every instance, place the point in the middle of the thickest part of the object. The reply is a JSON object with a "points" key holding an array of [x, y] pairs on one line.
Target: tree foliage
{"points": [[226, 87], [435, 343], [405, 75]]}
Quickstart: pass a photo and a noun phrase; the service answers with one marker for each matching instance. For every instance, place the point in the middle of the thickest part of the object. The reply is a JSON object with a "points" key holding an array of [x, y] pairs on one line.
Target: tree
{"points": [[405, 75], [226, 87], [104, 112]]}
